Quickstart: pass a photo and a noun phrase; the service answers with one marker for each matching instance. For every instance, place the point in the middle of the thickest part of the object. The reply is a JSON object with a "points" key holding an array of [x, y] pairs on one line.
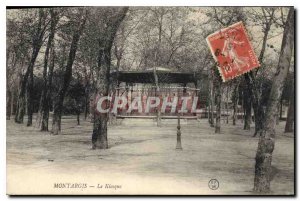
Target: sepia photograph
{"points": [[150, 100]]}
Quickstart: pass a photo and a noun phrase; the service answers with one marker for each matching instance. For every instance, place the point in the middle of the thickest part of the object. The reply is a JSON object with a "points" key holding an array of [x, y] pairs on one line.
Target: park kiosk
{"points": [[158, 82]]}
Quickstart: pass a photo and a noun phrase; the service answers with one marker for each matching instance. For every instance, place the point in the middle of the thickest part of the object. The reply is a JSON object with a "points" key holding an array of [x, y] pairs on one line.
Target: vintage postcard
{"points": [[150, 100]]}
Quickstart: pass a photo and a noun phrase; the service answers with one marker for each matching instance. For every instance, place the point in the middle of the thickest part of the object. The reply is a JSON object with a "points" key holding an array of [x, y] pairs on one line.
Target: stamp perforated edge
{"points": [[247, 38]]}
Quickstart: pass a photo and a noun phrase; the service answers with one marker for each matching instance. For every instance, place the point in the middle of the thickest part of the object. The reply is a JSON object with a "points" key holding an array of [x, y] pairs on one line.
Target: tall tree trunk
{"points": [[208, 111], [19, 117], [8, 91], [12, 101], [20, 109], [99, 138], [212, 100], [8, 104], [280, 113], [86, 101], [235, 103], [58, 105], [37, 41], [47, 101], [243, 111], [218, 106], [247, 108], [267, 134], [43, 101], [30, 98], [252, 83], [289, 126], [256, 102]]}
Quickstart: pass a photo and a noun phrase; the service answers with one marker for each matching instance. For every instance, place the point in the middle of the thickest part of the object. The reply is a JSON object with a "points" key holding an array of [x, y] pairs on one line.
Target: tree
{"points": [[105, 42], [235, 100], [247, 107], [289, 126], [211, 99], [86, 64], [75, 97], [37, 34], [58, 105], [17, 52], [267, 134], [217, 14], [43, 113], [218, 87], [265, 19]]}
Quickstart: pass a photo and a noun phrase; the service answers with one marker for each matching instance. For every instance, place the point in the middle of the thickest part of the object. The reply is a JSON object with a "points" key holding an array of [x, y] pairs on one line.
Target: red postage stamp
{"points": [[232, 50]]}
